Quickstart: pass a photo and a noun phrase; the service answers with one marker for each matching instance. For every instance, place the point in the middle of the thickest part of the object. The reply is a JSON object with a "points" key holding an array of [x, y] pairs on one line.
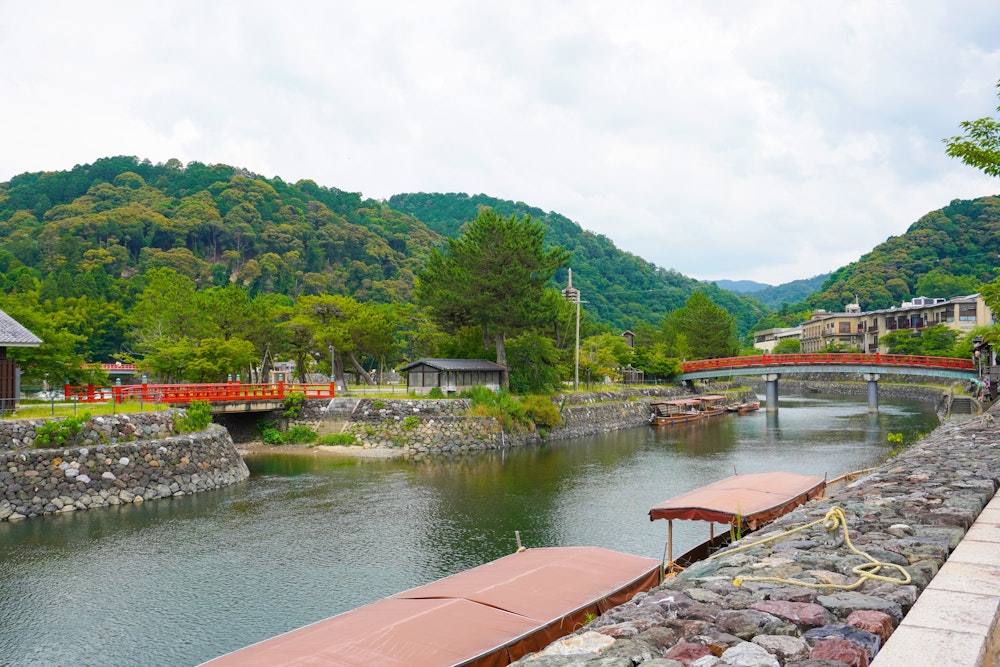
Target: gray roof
{"points": [[454, 365], [13, 333]]}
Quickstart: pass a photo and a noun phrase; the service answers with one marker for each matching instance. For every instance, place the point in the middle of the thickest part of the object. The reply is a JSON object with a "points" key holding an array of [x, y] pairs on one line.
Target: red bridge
{"points": [[869, 366], [886, 363], [224, 396]]}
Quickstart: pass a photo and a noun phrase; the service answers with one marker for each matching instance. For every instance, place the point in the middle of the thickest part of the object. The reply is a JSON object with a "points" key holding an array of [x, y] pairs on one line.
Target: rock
{"points": [[845, 602], [748, 623], [785, 648], [749, 655], [840, 650], [875, 622], [869, 642], [588, 642], [800, 613], [686, 652]]}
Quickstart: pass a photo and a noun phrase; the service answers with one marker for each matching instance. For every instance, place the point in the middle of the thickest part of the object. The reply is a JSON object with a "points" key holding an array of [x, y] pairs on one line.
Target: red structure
{"points": [[221, 392], [853, 359]]}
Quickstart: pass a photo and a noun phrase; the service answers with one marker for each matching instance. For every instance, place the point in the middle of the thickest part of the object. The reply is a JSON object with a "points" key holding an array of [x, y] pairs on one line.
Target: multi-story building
{"points": [[861, 330], [961, 313], [766, 340], [826, 329]]}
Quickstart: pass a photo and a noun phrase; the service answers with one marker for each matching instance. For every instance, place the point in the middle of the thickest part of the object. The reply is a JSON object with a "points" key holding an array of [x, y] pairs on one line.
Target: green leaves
{"points": [[979, 144]]}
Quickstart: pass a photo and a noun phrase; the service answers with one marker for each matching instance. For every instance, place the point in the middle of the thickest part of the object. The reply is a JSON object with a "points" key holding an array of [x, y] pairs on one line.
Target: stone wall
{"points": [[21, 433], [443, 426], [37, 482]]}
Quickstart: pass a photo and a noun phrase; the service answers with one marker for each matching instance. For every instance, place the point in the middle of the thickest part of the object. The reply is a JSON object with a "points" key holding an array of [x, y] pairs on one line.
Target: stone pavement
{"points": [[798, 599]]}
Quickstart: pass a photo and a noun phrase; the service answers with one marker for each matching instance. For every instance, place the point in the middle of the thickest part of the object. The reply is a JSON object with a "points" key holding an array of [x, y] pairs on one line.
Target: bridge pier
{"points": [[872, 379], [771, 392]]}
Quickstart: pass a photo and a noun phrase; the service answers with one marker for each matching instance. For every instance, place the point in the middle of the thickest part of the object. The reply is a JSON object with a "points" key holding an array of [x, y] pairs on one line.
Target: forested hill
{"points": [[90, 230], [948, 252], [619, 288]]}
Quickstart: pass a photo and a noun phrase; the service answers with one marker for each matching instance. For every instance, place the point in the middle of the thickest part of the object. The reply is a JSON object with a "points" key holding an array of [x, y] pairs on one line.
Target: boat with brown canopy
{"points": [[744, 502], [488, 616]]}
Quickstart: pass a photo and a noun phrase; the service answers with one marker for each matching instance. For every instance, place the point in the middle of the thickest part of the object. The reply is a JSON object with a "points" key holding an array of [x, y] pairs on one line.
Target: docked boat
{"points": [[744, 502], [748, 407], [678, 411], [488, 616], [711, 405]]}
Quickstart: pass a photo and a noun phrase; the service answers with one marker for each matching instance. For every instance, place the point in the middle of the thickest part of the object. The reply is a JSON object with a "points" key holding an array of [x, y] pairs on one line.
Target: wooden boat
{"points": [[679, 411], [488, 616], [711, 405], [748, 407], [744, 502]]}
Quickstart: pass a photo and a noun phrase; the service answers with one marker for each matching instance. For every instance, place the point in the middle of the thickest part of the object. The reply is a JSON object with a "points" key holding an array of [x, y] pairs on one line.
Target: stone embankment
{"points": [[422, 427], [142, 462], [797, 599]]}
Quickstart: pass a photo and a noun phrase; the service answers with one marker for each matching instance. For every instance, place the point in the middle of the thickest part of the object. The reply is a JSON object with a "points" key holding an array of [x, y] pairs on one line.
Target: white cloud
{"points": [[769, 141]]}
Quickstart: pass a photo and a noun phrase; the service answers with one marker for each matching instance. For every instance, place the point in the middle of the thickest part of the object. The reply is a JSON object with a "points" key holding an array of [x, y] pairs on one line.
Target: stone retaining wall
{"points": [[21, 433], [37, 482], [427, 426], [797, 599]]}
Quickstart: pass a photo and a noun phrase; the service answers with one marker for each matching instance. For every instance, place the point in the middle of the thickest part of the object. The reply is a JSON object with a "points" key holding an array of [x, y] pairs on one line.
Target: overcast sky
{"points": [[769, 140]]}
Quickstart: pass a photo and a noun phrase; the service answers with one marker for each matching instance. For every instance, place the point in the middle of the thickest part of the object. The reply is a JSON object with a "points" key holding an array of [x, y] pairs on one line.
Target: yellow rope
{"points": [[834, 517]]}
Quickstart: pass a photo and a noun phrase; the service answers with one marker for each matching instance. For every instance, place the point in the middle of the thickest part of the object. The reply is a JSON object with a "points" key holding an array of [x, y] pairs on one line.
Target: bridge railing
{"points": [[220, 392], [850, 358]]}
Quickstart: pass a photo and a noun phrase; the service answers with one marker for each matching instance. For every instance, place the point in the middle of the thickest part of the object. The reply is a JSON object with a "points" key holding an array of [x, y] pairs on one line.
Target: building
{"points": [[451, 375], [766, 340], [961, 313], [860, 330], [12, 334]]}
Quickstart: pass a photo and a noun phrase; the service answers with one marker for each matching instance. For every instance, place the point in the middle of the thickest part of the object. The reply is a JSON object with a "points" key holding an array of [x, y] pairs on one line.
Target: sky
{"points": [[768, 141]]}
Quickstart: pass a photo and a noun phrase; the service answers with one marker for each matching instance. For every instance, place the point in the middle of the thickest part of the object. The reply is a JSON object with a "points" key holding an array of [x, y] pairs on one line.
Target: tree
{"points": [[979, 145], [787, 346], [701, 330], [493, 276]]}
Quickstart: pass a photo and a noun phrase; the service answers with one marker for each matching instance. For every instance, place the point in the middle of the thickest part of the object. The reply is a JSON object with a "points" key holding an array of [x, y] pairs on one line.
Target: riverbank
{"points": [[778, 598], [258, 447]]}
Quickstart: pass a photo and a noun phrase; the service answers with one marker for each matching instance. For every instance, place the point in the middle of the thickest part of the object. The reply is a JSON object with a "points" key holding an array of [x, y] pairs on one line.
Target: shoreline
{"points": [[256, 447]]}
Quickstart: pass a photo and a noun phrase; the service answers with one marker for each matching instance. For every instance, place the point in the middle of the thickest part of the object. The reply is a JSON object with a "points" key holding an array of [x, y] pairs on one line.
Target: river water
{"points": [[177, 582]]}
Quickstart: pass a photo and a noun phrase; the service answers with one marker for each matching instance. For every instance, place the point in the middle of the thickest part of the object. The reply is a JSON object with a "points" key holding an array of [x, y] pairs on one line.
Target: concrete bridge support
{"points": [[771, 392], [872, 379]]}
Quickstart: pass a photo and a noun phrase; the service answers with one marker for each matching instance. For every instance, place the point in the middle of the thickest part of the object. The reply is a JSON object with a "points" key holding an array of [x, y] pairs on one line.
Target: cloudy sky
{"points": [[769, 140]]}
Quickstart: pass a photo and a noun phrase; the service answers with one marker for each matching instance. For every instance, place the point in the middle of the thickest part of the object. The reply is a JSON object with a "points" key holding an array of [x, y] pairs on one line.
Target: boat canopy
{"points": [[756, 498], [488, 616]]}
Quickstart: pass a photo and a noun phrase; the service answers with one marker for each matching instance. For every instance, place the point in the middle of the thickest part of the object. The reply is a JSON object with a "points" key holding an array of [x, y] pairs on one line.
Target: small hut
{"points": [[451, 375], [12, 334]]}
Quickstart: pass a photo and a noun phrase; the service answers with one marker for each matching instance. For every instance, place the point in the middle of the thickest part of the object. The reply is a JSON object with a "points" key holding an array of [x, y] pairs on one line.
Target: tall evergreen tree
{"points": [[493, 276], [701, 330]]}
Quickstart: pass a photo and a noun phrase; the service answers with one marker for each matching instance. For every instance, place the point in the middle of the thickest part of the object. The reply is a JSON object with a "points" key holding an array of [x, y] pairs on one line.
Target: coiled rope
{"points": [[833, 519]]}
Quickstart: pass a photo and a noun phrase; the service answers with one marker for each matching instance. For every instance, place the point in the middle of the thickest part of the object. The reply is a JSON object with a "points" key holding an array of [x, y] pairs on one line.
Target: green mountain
{"points": [[948, 252], [740, 286], [795, 291], [619, 288], [94, 231]]}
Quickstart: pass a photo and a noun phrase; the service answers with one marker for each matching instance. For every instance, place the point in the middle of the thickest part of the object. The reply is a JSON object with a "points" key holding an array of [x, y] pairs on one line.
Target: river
{"points": [[179, 581]]}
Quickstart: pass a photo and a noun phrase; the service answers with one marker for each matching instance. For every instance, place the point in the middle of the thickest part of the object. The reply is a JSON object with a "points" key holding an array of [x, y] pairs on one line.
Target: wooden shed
{"points": [[12, 334], [451, 375]]}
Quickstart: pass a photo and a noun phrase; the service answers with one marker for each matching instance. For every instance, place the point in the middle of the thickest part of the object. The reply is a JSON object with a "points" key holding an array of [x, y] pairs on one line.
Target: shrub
{"points": [[196, 417], [542, 411], [58, 433], [299, 434], [337, 439], [293, 405], [435, 392], [411, 422]]}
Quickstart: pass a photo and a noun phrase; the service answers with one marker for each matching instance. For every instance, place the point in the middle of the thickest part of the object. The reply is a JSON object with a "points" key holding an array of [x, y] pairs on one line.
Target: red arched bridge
{"points": [[870, 366], [224, 396]]}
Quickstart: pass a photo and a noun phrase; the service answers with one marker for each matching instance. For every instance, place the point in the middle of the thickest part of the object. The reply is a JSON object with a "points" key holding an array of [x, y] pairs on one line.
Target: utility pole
{"points": [[572, 295]]}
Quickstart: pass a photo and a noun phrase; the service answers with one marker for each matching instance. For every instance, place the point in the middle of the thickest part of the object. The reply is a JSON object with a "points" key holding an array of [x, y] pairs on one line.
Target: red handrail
{"points": [[876, 359], [221, 392]]}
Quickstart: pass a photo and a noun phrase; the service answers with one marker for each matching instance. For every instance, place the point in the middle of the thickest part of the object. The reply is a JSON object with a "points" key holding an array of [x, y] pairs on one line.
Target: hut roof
{"points": [[14, 334]]}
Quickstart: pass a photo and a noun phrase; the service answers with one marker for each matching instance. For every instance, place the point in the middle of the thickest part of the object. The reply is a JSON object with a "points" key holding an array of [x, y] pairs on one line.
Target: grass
{"points": [[40, 410]]}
